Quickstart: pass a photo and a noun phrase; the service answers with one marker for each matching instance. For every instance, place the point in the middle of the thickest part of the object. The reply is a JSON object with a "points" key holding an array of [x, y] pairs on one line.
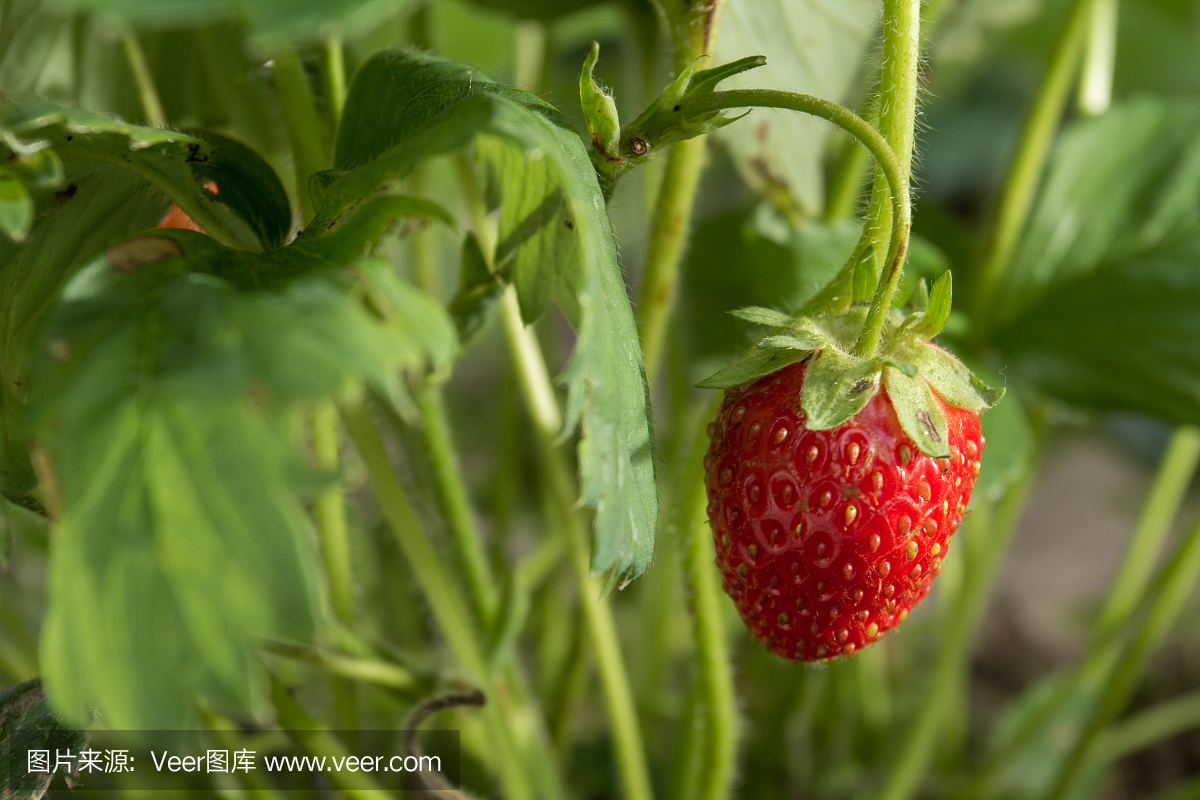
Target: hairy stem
{"points": [[452, 615], [693, 33], [897, 124], [1024, 174], [712, 654], [152, 106]]}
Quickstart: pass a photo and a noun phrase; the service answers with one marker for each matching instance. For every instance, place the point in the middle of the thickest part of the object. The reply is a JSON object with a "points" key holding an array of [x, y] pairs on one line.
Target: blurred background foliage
{"points": [[776, 215]]}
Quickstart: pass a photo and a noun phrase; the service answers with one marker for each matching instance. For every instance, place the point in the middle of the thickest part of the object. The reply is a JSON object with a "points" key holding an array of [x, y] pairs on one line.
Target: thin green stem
{"points": [[597, 613], [367, 670], [1024, 174], [452, 615], [1163, 721], [333, 534], [335, 75], [330, 512], [892, 168], [1165, 601], [712, 654], [1096, 77], [312, 740], [152, 106], [693, 29], [481, 585], [1170, 485], [300, 119], [897, 123], [668, 237], [846, 181]]}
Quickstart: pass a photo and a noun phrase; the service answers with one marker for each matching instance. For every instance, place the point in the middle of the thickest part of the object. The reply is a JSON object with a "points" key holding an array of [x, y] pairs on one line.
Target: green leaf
{"points": [[837, 387], [1122, 337], [27, 724], [918, 411], [1115, 186], [99, 205], [255, 213], [937, 310], [755, 365], [478, 291], [812, 46], [763, 316], [16, 207], [161, 398], [246, 184], [403, 106]]}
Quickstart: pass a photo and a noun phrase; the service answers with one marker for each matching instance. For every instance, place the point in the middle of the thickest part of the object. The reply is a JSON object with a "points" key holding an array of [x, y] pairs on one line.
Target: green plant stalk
{"points": [[152, 106], [335, 75], [897, 123], [1096, 77], [846, 181], [984, 546], [1166, 600], [301, 120], [307, 735], [1162, 505], [329, 509], [693, 29], [712, 654], [672, 218], [481, 585], [894, 171], [1166, 495], [221, 730], [1163, 721], [597, 614], [452, 615], [1024, 174]]}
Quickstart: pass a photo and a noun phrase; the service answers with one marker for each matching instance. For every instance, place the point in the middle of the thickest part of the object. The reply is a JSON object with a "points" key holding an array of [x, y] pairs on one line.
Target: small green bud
{"points": [[599, 109]]}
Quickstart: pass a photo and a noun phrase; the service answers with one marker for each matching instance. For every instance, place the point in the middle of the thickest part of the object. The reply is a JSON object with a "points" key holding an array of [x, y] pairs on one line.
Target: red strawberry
{"points": [[826, 538]]}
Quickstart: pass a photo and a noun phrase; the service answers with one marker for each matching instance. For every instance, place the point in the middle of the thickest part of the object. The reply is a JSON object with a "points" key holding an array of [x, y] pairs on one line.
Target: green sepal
{"points": [[918, 411], [706, 80], [786, 341], [599, 110], [837, 387], [937, 309], [478, 291], [755, 365], [763, 316], [951, 379], [903, 366]]}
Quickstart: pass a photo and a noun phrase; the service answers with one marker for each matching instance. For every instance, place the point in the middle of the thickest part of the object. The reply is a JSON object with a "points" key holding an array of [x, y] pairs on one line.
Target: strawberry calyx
{"points": [[839, 383]]}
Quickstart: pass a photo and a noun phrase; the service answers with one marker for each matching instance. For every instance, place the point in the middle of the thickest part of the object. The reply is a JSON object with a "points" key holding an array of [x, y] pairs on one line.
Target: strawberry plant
{"points": [[371, 367]]}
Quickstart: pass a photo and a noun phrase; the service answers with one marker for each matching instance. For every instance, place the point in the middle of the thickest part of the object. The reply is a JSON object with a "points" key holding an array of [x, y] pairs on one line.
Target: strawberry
{"points": [[825, 539], [834, 480]]}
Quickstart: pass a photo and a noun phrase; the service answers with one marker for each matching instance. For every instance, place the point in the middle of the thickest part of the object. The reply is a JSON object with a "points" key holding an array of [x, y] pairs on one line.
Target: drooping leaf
{"points": [[99, 205], [160, 399], [445, 106], [789, 342], [254, 213], [812, 46], [26, 724]]}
